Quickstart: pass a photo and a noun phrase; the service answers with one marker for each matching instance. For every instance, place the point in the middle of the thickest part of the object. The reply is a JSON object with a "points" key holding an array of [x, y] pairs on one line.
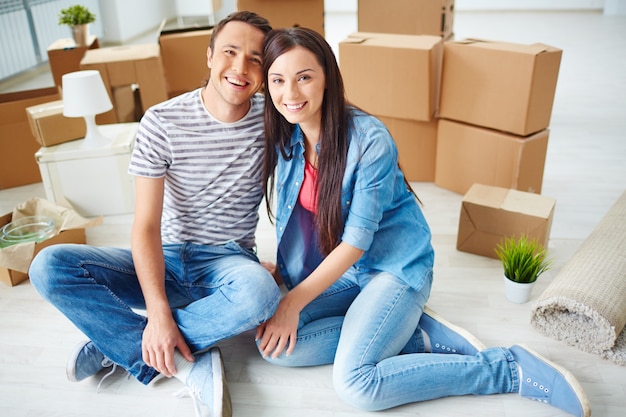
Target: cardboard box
{"points": [[15, 260], [94, 180], [50, 127], [392, 75], [64, 56], [489, 214], [417, 147], [409, 17], [469, 154], [499, 85], [188, 46], [288, 13], [136, 71], [17, 145]]}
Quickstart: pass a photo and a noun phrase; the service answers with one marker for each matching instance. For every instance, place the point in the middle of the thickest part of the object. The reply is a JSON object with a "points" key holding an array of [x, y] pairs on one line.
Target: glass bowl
{"points": [[27, 229]]}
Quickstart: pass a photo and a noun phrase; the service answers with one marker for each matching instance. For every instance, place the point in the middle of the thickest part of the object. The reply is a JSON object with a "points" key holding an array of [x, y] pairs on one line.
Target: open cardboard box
{"points": [[15, 259]]}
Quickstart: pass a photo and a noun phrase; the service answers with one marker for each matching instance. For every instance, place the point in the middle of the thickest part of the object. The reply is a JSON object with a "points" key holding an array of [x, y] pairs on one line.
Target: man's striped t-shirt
{"points": [[212, 170]]}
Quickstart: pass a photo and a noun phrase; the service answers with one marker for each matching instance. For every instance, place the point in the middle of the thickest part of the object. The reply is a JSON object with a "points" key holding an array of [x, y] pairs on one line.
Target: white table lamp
{"points": [[84, 95]]}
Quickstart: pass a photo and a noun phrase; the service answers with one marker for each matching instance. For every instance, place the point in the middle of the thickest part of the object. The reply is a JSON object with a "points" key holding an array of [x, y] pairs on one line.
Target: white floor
{"points": [[585, 171]]}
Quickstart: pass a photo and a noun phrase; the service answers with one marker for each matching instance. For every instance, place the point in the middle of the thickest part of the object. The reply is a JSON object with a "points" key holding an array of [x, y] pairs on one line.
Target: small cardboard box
{"points": [[288, 13], [402, 82], [417, 147], [17, 147], [15, 260], [136, 70], [503, 86], [469, 154], [50, 127], [490, 214], [64, 56], [189, 46], [431, 17]]}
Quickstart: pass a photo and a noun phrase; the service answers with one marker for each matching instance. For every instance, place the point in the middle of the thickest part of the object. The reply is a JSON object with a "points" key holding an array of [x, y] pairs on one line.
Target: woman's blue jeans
{"points": [[367, 325], [214, 292]]}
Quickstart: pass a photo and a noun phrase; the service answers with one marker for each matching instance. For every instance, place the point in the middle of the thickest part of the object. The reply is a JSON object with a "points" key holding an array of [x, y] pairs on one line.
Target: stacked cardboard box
{"points": [[288, 13], [409, 17], [133, 76], [190, 46], [401, 87], [64, 56], [495, 108], [17, 145]]}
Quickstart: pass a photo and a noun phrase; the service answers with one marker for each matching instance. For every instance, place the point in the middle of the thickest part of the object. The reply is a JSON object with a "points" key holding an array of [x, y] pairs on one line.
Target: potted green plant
{"points": [[77, 17], [523, 260]]}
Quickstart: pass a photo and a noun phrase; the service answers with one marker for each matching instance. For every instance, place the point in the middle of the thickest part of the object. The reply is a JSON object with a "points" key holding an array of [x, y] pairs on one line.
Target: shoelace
{"points": [[106, 362], [194, 393]]}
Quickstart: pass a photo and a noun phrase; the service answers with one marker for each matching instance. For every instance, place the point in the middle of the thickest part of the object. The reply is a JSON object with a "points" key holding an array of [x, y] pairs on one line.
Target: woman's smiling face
{"points": [[296, 83]]}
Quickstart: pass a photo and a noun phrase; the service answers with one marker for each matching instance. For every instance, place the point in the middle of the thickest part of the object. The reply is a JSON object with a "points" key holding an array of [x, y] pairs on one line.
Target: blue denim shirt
{"points": [[381, 216]]}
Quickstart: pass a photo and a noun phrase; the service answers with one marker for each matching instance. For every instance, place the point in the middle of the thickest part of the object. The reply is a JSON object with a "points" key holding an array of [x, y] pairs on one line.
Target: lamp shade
{"points": [[84, 94]]}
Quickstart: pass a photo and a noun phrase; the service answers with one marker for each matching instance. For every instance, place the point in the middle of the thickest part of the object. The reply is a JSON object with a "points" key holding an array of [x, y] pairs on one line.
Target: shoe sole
{"points": [[569, 378], [221, 394], [473, 340], [70, 367]]}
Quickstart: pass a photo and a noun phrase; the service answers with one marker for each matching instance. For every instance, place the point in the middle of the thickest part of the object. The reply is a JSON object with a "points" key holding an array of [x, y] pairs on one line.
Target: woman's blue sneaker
{"points": [[446, 337], [546, 382]]}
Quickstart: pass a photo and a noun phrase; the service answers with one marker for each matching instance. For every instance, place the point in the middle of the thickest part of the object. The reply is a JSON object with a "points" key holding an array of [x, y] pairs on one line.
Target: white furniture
{"points": [[95, 180]]}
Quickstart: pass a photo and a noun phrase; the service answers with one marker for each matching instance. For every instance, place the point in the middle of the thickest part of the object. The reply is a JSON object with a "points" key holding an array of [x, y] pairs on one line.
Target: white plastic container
{"points": [[95, 181]]}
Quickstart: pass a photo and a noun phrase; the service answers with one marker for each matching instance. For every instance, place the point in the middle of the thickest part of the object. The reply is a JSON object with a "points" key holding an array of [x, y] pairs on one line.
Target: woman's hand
{"points": [[280, 330]]}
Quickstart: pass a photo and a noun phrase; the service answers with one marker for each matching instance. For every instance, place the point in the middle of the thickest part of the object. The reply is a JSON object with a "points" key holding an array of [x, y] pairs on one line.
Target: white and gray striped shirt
{"points": [[212, 170]]}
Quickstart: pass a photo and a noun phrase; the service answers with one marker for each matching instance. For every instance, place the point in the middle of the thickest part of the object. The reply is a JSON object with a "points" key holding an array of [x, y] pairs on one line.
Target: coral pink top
{"points": [[307, 196]]}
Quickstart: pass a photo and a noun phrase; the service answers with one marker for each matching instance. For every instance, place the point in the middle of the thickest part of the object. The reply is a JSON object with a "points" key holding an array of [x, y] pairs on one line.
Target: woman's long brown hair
{"points": [[333, 141]]}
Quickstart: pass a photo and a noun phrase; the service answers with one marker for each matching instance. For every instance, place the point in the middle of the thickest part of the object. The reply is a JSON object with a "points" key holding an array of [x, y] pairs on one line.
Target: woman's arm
{"points": [[280, 330]]}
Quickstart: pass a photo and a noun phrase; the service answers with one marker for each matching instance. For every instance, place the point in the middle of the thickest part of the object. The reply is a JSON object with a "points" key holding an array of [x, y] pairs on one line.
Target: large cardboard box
{"points": [[15, 260], [469, 154], [94, 180], [417, 147], [189, 46], [288, 13], [133, 76], [392, 75], [409, 17], [503, 86], [64, 56], [490, 214], [17, 145], [50, 127]]}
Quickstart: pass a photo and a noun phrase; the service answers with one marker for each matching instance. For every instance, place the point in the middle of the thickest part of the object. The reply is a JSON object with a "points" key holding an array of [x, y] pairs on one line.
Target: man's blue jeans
{"points": [[215, 293], [367, 324]]}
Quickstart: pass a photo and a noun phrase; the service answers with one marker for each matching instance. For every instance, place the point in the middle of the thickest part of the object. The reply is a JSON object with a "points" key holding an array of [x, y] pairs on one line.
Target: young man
{"points": [[192, 267]]}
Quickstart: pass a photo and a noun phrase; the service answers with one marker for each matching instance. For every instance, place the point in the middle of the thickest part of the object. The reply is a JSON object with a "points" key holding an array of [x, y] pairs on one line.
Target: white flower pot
{"points": [[517, 292]]}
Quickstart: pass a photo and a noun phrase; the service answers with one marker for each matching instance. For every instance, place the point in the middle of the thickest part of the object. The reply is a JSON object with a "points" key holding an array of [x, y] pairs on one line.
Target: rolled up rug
{"points": [[585, 304]]}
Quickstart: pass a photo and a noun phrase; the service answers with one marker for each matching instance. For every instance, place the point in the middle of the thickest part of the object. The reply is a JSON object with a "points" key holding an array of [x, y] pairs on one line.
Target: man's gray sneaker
{"points": [[86, 360], [207, 384]]}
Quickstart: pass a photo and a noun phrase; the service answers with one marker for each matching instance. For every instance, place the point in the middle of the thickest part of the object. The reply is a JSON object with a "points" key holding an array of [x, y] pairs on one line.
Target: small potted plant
{"points": [[523, 260], [77, 17]]}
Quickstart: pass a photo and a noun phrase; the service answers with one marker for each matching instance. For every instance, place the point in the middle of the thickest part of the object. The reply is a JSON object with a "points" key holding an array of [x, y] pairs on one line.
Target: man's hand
{"points": [[160, 338]]}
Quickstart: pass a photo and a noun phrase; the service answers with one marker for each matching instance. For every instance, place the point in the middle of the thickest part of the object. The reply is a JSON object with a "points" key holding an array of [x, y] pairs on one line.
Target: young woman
{"points": [[354, 251]]}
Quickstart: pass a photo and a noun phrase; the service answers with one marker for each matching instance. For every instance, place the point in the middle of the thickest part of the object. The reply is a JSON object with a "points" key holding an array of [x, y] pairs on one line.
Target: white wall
{"points": [[528, 4], [126, 19]]}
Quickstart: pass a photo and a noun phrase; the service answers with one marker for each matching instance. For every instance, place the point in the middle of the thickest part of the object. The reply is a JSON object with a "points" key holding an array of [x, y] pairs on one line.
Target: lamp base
{"points": [[93, 138]]}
